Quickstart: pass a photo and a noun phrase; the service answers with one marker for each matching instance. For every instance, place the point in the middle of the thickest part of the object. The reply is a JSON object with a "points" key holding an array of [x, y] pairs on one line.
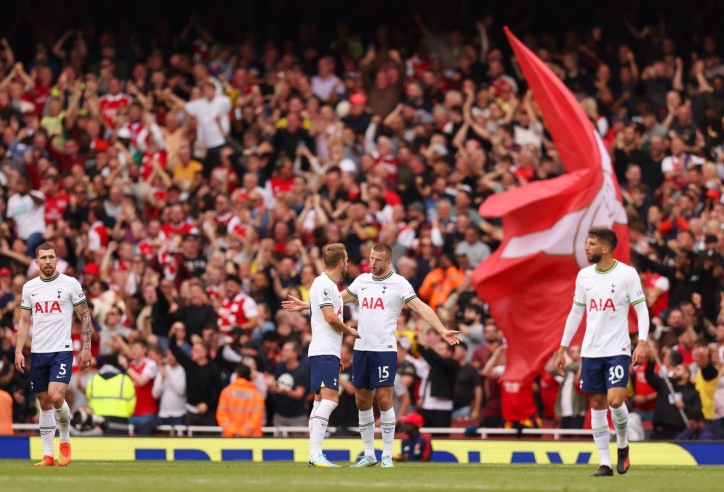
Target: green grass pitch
{"points": [[297, 477]]}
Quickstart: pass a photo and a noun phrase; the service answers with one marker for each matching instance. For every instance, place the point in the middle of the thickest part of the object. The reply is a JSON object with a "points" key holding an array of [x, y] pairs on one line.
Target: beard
{"points": [[344, 272], [468, 321], [594, 257]]}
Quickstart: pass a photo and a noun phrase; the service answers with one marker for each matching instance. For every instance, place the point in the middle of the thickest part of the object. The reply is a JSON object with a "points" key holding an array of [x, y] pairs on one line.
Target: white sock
{"points": [[62, 418], [599, 424], [47, 431], [315, 405], [387, 423], [367, 431], [319, 430], [620, 422]]}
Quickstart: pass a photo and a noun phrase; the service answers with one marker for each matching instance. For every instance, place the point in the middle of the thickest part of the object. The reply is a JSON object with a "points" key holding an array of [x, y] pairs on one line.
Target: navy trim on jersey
{"points": [[409, 299], [322, 305], [330, 278], [383, 278], [26, 308], [79, 303], [57, 274], [351, 293]]}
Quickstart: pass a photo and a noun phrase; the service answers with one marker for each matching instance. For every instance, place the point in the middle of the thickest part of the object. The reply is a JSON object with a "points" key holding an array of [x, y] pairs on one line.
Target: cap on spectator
{"points": [[348, 165], [358, 99], [124, 133], [251, 344], [416, 206], [712, 255], [714, 194], [404, 342], [413, 418], [5, 272], [92, 269], [236, 331]]}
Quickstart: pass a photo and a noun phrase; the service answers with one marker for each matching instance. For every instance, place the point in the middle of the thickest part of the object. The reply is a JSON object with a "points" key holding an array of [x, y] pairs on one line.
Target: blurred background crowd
{"points": [[189, 162]]}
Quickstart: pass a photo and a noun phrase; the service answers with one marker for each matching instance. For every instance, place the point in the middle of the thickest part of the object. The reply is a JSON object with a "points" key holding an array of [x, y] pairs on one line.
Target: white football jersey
{"points": [[325, 339], [606, 297], [380, 303], [51, 304]]}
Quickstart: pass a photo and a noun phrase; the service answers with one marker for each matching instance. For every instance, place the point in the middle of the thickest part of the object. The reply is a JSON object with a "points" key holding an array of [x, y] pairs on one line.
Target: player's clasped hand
{"points": [[354, 332], [640, 354]]}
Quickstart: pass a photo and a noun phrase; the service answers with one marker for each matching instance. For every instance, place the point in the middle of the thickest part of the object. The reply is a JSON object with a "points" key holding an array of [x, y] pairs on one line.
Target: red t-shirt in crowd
{"points": [[111, 105], [236, 311], [55, 208], [145, 402]]}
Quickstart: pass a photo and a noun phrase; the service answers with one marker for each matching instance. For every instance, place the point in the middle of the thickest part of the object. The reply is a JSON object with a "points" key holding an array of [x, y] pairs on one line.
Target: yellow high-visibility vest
{"points": [[112, 397]]}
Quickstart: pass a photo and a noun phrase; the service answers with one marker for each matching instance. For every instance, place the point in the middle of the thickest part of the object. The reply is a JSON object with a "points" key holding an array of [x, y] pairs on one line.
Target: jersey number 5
{"points": [[61, 372]]}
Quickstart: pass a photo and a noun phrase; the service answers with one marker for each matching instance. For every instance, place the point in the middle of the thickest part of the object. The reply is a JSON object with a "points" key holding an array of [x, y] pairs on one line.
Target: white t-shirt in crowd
{"points": [[29, 216], [206, 112]]}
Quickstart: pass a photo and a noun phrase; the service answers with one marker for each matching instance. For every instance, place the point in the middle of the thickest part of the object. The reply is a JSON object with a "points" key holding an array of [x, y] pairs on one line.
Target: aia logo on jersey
{"points": [[46, 307], [373, 303], [600, 305]]}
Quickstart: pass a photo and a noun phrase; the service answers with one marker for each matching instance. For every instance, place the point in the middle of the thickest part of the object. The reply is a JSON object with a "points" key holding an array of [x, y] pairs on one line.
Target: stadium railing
{"points": [[189, 431]]}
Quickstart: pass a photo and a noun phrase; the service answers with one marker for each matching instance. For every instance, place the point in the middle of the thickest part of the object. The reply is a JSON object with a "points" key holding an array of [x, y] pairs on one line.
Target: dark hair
{"points": [[243, 371], [143, 343], [233, 278], [604, 235], [676, 357], [462, 345], [695, 414], [99, 212], [383, 248], [45, 247]]}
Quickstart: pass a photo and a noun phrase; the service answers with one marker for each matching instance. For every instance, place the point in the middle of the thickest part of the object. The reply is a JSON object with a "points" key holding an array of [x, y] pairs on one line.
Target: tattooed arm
{"points": [[83, 313]]}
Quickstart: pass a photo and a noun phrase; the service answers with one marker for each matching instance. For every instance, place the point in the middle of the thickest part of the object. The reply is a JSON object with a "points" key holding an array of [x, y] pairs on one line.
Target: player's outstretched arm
{"points": [[431, 318], [23, 328], [572, 324], [294, 304], [641, 351], [81, 310]]}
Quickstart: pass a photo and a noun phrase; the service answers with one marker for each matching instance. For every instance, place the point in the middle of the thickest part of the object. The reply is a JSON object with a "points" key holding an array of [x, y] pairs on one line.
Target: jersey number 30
{"points": [[615, 374]]}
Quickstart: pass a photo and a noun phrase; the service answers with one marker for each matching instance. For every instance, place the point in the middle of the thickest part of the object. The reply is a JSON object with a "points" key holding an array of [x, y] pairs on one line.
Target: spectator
{"points": [[668, 422], [471, 329], [699, 429], [111, 395], [472, 248], [202, 382], [289, 386], [571, 405], [169, 388], [198, 312], [25, 207], [415, 447], [240, 412], [142, 370], [345, 415], [439, 390], [441, 282], [468, 394], [237, 308]]}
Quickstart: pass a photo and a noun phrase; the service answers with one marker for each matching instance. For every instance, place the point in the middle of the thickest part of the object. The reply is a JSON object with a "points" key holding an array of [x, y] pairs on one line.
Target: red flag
{"points": [[530, 279]]}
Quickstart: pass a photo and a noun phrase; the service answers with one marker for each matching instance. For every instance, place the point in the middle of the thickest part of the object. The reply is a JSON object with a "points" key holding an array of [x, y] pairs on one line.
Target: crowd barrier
{"points": [[486, 451]]}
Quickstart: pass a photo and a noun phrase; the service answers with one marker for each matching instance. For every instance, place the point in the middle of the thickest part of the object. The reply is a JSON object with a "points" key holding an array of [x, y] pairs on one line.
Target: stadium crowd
{"points": [[190, 184]]}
